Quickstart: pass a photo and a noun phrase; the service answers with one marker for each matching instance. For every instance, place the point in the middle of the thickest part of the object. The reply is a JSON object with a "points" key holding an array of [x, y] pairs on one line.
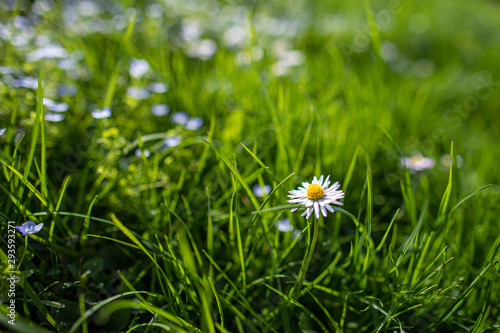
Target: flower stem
{"points": [[312, 239]]}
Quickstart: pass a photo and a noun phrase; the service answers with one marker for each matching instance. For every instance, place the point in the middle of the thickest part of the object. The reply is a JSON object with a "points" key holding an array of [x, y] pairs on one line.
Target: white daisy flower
{"points": [[417, 163], [317, 197]]}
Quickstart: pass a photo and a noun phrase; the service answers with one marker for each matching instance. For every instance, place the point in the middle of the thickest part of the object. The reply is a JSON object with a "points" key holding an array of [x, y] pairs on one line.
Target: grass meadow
{"points": [[157, 143]]}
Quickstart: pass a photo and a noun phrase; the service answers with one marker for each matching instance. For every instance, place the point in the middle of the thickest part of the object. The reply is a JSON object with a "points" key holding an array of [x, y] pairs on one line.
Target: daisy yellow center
{"points": [[416, 159], [315, 192]]}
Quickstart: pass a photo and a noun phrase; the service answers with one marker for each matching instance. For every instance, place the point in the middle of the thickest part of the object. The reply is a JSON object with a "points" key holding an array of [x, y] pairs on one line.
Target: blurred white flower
{"points": [[88, 8], [2, 131], [180, 117], [66, 64], [245, 57], [417, 163], [160, 110], [6, 70], [100, 114], [389, 51], [190, 30], [55, 106], [193, 124], [138, 68], [292, 58], [286, 58], [446, 161], [203, 49], [259, 191], [158, 87], [279, 69], [138, 93], [155, 10], [26, 82], [47, 52], [297, 233], [172, 141], [66, 90], [119, 22], [316, 197], [234, 36], [138, 153], [284, 225], [54, 117]]}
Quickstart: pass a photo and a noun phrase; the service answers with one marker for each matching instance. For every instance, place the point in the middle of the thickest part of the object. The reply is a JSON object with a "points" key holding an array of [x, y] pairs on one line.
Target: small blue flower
{"points": [[29, 228], [193, 124]]}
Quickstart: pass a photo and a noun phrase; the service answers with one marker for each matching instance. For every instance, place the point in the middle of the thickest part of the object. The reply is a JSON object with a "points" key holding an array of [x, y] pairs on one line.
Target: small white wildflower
{"points": [[2, 131], [446, 161], [202, 49], [417, 163], [25, 82], [261, 191], [88, 9], [160, 110], [138, 68], [190, 30], [284, 225], [172, 141], [297, 233], [155, 10], [100, 114], [234, 36], [138, 153], [158, 87], [55, 106], [47, 52], [180, 117], [194, 124], [138, 93], [54, 117], [317, 197]]}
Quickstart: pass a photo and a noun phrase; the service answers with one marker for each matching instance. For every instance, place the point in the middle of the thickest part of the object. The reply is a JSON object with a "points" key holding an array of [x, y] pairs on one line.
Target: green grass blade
{"points": [[297, 304], [217, 299], [382, 241], [459, 300], [447, 193], [86, 224]]}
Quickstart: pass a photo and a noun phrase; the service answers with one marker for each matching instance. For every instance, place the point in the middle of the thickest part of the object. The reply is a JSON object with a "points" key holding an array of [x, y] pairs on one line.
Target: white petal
{"points": [[335, 186], [327, 181], [308, 202], [323, 210], [293, 210], [320, 180], [330, 208]]}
